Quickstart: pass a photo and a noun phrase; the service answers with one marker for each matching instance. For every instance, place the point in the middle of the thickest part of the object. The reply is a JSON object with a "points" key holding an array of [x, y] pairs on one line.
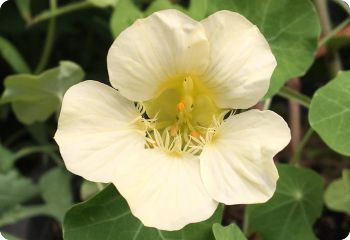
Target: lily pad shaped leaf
{"points": [[293, 209], [14, 190], [290, 26], [107, 216], [337, 196], [231, 232], [35, 98], [329, 113]]}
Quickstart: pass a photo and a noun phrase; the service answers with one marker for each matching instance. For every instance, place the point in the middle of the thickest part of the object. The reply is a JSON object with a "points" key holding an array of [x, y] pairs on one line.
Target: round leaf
{"points": [[337, 196], [293, 209], [125, 13], [231, 232], [329, 113], [35, 98], [107, 216], [290, 26]]}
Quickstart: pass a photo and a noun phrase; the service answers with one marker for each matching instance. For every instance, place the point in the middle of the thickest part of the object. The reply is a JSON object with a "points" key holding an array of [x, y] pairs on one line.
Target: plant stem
{"points": [[34, 149], [267, 104], [246, 221], [296, 157], [60, 11], [334, 59], [49, 41], [19, 212], [291, 94], [331, 34]]}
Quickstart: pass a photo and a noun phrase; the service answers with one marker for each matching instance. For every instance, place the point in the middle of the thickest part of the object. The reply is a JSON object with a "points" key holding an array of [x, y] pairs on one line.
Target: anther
{"points": [[173, 131], [181, 106], [195, 134]]}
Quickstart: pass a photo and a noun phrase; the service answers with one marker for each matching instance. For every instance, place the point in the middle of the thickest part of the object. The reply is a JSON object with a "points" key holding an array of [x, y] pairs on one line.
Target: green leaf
{"points": [[231, 232], [18, 212], [107, 216], [290, 26], [7, 159], [198, 9], [56, 191], [293, 209], [88, 189], [337, 195], [103, 3], [9, 52], [329, 113], [35, 98], [159, 5], [14, 190], [125, 13]]}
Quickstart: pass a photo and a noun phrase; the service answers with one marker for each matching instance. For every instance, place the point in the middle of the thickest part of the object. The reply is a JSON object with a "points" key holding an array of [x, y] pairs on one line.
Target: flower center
{"points": [[183, 111]]}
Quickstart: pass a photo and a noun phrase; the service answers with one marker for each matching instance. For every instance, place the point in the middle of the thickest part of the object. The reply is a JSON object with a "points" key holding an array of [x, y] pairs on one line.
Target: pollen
{"points": [[181, 106], [195, 134], [173, 130]]}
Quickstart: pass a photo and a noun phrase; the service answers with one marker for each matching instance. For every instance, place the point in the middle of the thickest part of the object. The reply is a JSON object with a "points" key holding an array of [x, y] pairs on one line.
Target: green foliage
{"points": [[14, 190], [107, 215], [9, 52], [35, 98], [126, 12], [159, 5], [293, 209], [104, 3], [290, 26], [24, 9], [329, 113], [89, 189], [123, 16], [7, 159], [231, 232], [198, 9], [56, 191], [337, 195]]}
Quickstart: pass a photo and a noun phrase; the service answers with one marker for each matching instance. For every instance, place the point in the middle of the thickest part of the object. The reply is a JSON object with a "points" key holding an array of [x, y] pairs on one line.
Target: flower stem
{"points": [[246, 221], [334, 59], [297, 155], [34, 149], [291, 94], [267, 104], [60, 11], [49, 41], [331, 34]]}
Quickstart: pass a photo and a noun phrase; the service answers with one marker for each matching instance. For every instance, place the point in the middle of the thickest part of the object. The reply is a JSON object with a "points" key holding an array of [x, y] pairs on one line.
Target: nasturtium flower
{"points": [[167, 134]]}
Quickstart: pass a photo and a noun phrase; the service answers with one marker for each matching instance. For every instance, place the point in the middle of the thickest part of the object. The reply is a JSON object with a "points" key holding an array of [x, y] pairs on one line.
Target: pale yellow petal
{"points": [[164, 191], [155, 49], [95, 128], [238, 167], [241, 61]]}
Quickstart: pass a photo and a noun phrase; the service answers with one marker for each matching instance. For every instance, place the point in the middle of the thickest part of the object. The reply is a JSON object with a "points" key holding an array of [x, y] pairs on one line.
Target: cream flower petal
{"points": [[241, 61], [155, 49], [164, 191], [237, 166], [95, 129]]}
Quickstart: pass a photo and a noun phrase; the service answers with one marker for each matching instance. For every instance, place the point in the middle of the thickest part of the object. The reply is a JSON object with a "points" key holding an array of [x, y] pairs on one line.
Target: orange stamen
{"points": [[195, 134], [180, 106], [173, 130]]}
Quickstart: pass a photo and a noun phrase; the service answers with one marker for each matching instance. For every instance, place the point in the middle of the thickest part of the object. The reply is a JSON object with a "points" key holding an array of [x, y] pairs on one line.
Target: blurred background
{"points": [[83, 34]]}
